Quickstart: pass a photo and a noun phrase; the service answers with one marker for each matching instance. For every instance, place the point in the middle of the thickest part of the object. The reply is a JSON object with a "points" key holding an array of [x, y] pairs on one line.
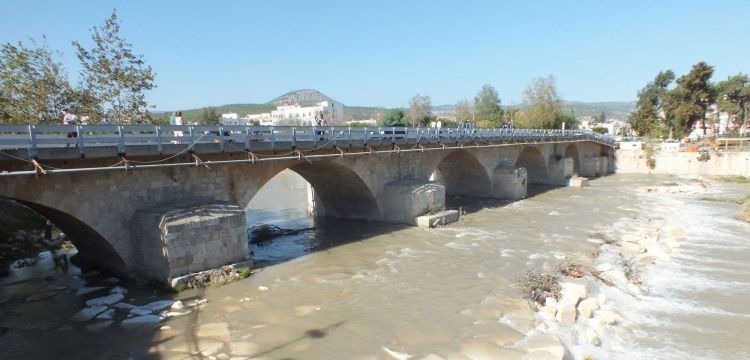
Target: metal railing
{"points": [[34, 137]]}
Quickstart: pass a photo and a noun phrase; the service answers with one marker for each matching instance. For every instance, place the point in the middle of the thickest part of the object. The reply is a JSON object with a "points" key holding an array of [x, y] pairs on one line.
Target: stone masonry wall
{"points": [[179, 239]]}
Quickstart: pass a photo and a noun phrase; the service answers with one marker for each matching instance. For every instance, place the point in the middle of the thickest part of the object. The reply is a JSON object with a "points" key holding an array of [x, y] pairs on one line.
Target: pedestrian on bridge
{"points": [[70, 119]]}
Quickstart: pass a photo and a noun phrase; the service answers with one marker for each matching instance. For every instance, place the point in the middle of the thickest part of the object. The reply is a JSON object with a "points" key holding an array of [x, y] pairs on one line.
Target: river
{"points": [[359, 290]]}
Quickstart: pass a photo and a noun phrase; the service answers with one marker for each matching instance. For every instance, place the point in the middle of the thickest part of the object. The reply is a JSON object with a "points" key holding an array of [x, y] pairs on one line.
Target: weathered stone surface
{"points": [[105, 300], [542, 342], [587, 307], [145, 320], [219, 331], [509, 183], [607, 317], [88, 313], [404, 200], [124, 306], [140, 311], [106, 315], [438, 219], [572, 290], [180, 238], [243, 348], [158, 305], [578, 182], [87, 290], [566, 313], [592, 338], [502, 335], [480, 350]]}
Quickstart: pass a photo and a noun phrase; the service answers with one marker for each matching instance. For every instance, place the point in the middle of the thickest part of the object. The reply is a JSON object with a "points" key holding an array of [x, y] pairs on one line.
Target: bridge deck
{"points": [[55, 142]]}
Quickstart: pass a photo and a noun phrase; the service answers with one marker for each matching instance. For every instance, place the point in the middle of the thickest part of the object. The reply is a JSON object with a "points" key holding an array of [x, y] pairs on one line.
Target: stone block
{"points": [[434, 220], [189, 236], [591, 166], [403, 201], [578, 182], [509, 183]]}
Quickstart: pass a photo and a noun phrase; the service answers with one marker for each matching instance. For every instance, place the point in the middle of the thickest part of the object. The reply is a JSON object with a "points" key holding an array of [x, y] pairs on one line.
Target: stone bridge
{"points": [[167, 202]]}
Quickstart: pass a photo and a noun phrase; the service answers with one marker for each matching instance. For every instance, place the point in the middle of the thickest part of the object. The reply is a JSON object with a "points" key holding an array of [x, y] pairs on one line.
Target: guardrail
{"points": [[34, 137]]}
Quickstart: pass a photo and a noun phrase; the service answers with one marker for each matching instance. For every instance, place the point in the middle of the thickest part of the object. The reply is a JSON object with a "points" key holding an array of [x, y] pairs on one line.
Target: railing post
{"points": [[247, 138], [315, 135], [221, 139], [32, 139], [79, 129], [380, 135], [294, 137], [273, 139], [192, 136], [366, 137], [393, 135], [158, 139], [350, 136], [121, 147]]}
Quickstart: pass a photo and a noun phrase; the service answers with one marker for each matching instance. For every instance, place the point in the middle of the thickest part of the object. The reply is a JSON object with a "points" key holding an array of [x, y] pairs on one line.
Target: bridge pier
{"points": [[509, 183], [402, 201], [179, 239], [594, 166]]}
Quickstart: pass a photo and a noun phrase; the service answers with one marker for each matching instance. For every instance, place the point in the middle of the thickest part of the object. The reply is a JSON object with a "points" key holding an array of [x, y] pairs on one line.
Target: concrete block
{"points": [[509, 183], [434, 220], [578, 182], [403, 201]]}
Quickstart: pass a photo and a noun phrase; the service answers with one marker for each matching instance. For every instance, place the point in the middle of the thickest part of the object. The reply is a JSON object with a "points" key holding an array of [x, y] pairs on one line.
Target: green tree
{"points": [[114, 79], [600, 117], [392, 116], [33, 86], [420, 110], [569, 119], [691, 98], [487, 105], [463, 111], [208, 116], [542, 105], [654, 106], [733, 97]]}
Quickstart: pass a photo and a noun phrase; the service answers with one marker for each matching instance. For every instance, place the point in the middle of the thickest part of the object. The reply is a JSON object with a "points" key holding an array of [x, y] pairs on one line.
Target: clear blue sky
{"points": [[380, 53]]}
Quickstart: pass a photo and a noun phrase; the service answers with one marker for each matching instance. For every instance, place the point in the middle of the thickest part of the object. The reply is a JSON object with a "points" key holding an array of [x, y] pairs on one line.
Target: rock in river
{"points": [[105, 300]]}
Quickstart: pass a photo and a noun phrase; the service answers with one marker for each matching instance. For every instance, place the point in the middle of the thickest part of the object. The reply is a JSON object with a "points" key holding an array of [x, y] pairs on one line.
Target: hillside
{"points": [[304, 97], [612, 109]]}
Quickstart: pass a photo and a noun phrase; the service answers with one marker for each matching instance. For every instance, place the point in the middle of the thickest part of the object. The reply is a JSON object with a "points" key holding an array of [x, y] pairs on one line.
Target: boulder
{"points": [[106, 300], [106, 315], [592, 338], [607, 317], [124, 306], [177, 305], [145, 320], [158, 305], [572, 290], [503, 335], [86, 290], [88, 313], [566, 313], [587, 307], [140, 311]]}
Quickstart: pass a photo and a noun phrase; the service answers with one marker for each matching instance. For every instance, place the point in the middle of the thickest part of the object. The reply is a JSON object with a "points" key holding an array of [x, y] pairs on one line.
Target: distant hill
{"points": [[304, 97], [612, 109]]}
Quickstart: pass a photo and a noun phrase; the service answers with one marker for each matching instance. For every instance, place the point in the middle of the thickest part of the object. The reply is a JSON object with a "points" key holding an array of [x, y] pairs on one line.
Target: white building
{"points": [[332, 111]]}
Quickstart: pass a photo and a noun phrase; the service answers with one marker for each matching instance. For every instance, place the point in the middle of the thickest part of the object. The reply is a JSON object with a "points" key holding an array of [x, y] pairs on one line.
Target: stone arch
{"points": [[531, 159], [463, 175], [94, 251], [342, 192], [571, 151]]}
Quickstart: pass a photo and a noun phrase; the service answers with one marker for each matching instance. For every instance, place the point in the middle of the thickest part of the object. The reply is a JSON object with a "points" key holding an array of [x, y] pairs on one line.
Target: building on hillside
{"points": [[291, 114]]}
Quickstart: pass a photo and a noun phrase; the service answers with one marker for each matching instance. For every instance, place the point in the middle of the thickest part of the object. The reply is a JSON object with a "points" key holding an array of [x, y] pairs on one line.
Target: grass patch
{"points": [[540, 285]]}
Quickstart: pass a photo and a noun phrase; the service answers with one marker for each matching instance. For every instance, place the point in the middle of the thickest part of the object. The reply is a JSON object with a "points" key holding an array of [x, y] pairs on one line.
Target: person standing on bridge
{"points": [[70, 119]]}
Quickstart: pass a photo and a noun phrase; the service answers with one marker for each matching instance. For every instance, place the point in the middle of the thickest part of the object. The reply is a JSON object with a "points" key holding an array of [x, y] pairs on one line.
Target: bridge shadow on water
{"points": [[473, 204]]}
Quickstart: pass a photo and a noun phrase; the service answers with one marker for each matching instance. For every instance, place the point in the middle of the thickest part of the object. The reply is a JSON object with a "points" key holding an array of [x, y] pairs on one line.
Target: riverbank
{"points": [[616, 308]]}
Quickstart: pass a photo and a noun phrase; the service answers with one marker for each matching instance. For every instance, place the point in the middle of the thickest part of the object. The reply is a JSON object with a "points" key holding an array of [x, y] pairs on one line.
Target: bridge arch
{"points": [[94, 251], [571, 151], [536, 168], [342, 192], [463, 175]]}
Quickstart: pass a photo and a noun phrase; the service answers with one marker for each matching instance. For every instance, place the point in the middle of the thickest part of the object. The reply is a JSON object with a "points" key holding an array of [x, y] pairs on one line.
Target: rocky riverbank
{"points": [[573, 300]]}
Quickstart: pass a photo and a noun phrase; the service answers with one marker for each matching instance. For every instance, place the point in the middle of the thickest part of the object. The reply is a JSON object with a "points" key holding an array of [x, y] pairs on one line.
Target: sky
{"points": [[381, 53]]}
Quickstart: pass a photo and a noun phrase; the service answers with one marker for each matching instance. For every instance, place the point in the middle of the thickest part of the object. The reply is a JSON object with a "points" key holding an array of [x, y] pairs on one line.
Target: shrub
{"points": [[539, 286]]}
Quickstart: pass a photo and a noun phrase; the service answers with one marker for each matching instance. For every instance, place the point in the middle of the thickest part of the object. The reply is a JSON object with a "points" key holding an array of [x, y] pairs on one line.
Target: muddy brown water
{"points": [[358, 290]]}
